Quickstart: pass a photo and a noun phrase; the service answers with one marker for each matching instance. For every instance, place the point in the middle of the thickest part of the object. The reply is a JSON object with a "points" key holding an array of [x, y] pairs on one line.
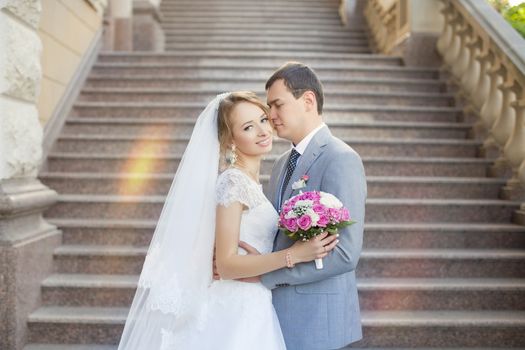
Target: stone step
{"points": [[282, 24], [256, 46], [239, 10], [441, 294], [324, 72], [164, 127], [89, 290], [445, 263], [211, 4], [374, 166], [248, 24], [440, 236], [269, 32], [373, 263], [171, 14], [305, 42], [443, 329], [84, 325], [170, 95], [69, 347], [193, 60], [332, 112], [243, 58], [377, 209], [374, 293], [250, 17], [377, 235], [378, 187], [125, 144], [268, 64], [381, 328], [191, 84]]}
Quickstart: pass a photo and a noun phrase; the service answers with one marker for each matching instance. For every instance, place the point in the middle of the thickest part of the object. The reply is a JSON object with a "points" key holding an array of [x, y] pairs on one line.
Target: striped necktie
{"points": [[292, 162]]}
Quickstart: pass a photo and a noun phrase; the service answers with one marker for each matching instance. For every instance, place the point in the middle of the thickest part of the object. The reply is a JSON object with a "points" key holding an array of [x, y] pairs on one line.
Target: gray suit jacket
{"points": [[319, 309]]}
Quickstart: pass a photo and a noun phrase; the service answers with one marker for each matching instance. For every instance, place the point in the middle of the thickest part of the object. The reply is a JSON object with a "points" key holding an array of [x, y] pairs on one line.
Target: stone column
{"points": [[121, 15], [27, 241], [147, 31]]}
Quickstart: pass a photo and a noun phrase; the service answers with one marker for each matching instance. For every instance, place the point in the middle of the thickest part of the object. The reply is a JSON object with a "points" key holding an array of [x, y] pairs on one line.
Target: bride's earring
{"points": [[233, 156]]}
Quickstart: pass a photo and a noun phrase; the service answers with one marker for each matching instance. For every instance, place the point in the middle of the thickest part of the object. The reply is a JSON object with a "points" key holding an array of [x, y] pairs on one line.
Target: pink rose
{"points": [[304, 196], [304, 222], [318, 208], [323, 220], [309, 196], [345, 214], [335, 214], [291, 225]]}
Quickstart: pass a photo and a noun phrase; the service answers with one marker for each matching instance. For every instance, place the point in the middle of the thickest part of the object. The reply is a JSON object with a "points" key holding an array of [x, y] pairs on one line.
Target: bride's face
{"points": [[251, 129]]}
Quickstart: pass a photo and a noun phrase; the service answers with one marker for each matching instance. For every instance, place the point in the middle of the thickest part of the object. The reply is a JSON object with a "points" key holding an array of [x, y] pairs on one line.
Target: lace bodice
{"points": [[259, 221]]}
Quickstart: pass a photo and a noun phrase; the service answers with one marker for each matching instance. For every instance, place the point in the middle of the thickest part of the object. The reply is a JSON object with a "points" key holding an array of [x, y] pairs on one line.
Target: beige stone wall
{"points": [[20, 72], [425, 16], [67, 28]]}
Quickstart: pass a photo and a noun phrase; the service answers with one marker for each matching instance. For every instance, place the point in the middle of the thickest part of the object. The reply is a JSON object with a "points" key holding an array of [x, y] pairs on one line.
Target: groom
{"points": [[317, 309]]}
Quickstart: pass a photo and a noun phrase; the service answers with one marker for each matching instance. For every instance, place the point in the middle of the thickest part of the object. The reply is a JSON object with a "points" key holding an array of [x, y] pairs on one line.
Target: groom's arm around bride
{"points": [[338, 171]]}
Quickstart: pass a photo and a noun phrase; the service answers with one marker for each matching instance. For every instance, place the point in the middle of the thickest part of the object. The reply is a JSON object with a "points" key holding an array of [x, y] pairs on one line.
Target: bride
{"points": [[178, 304]]}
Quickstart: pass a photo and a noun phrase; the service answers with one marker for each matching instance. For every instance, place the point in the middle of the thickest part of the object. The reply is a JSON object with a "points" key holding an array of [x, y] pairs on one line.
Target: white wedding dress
{"points": [[177, 304], [239, 315]]}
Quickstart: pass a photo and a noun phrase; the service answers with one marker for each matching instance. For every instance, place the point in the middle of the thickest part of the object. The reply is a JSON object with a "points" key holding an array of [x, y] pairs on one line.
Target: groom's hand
{"points": [[251, 251]]}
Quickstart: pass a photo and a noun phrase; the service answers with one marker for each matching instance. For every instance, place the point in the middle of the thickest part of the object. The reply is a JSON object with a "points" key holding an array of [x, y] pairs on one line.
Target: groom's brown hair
{"points": [[299, 78]]}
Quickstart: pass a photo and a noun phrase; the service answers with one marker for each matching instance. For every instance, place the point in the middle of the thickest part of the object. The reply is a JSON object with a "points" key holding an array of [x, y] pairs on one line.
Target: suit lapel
{"points": [[279, 179], [311, 153]]}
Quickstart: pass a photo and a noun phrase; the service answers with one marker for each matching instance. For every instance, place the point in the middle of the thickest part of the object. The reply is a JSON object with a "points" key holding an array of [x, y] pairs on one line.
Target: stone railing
{"points": [[388, 21], [486, 59]]}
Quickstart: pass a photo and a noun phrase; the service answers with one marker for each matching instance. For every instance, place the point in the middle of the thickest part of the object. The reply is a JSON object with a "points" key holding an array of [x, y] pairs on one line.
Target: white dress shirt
{"points": [[301, 146]]}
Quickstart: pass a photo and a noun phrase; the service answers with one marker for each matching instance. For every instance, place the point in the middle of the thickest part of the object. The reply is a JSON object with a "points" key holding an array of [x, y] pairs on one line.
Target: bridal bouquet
{"points": [[308, 214]]}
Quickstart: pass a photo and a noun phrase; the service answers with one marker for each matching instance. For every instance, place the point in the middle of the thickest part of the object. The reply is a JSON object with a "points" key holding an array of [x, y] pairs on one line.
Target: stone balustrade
{"points": [[486, 59], [388, 22]]}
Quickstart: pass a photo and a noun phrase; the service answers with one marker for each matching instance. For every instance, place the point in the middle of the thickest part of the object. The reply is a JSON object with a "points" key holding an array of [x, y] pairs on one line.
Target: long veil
{"points": [[171, 299]]}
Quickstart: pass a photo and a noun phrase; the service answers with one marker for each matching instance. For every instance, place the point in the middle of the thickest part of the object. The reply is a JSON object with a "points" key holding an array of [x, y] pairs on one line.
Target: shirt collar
{"points": [[301, 146]]}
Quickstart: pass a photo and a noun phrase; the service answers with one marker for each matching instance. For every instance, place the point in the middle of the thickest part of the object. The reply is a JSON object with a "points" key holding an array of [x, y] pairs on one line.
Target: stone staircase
{"points": [[442, 265]]}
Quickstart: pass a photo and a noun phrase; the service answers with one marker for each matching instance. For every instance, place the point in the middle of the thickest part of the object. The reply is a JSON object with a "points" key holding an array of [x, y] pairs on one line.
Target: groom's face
{"points": [[286, 112]]}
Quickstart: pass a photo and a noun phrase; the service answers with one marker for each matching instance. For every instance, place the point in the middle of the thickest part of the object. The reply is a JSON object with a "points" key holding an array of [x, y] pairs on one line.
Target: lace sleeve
{"points": [[233, 186]]}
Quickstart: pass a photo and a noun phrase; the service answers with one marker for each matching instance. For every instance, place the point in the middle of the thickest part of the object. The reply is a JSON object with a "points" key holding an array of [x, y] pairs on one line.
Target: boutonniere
{"points": [[301, 183]]}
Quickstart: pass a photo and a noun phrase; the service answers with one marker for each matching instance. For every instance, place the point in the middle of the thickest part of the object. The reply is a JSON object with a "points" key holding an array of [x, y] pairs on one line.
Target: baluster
{"points": [[482, 90], [471, 77], [443, 41], [502, 128], [514, 150], [462, 59], [492, 107], [453, 50]]}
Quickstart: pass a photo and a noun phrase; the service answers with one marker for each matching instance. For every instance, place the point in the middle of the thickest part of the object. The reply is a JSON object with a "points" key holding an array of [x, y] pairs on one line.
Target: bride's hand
{"points": [[316, 248]]}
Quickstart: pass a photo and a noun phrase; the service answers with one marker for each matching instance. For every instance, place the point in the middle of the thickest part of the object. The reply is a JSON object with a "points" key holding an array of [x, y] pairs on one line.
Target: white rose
{"points": [[313, 215], [291, 214], [330, 201], [305, 203]]}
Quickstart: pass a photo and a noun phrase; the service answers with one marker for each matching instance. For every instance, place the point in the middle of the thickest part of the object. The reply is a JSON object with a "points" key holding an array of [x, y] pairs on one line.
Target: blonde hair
{"points": [[224, 115]]}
